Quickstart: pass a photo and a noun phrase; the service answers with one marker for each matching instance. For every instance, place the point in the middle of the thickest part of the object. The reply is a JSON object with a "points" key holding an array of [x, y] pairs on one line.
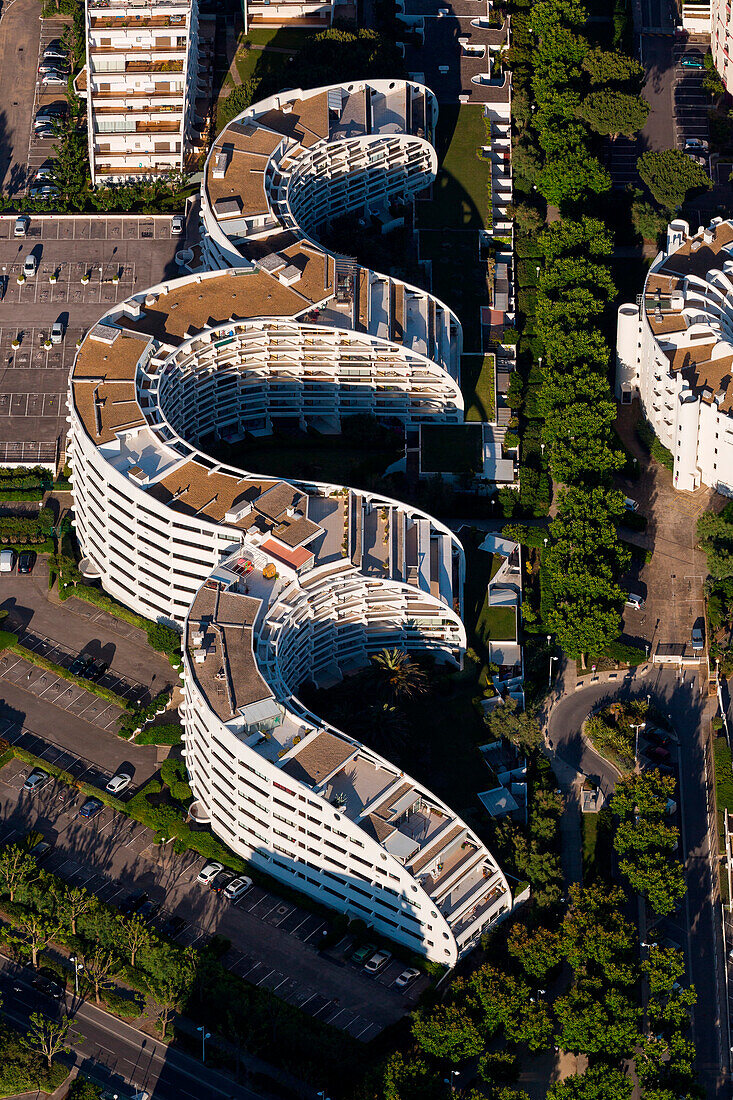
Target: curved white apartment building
{"points": [[675, 352], [278, 583]]}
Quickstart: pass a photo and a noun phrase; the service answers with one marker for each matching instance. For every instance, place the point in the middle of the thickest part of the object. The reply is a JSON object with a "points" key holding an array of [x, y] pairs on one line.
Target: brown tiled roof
{"points": [[318, 758]]}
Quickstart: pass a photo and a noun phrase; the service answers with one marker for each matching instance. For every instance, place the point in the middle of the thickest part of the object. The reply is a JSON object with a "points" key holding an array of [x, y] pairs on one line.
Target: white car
{"points": [[237, 887], [698, 639], [57, 335], [177, 224], [407, 976], [54, 77], [7, 561], [209, 871], [121, 780], [377, 961], [30, 266], [21, 226]]}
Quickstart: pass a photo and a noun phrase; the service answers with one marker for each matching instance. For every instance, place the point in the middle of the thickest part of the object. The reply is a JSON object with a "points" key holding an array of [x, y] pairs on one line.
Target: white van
{"points": [[30, 266], [7, 561]]}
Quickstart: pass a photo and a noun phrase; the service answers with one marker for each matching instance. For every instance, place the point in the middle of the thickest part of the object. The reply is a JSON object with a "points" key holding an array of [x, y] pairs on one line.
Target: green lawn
{"points": [[477, 383], [460, 194], [258, 63], [496, 624], [459, 279], [451, 448]]}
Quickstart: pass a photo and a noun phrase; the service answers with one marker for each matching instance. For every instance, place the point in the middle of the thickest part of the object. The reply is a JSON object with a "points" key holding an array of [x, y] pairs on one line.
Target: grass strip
{"points": [[64, 674]]}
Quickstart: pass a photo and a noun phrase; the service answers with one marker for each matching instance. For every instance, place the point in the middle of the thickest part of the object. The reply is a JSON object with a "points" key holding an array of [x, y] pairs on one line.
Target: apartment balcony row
{"points": [[123, 111], [137, 126], [135, 169], [160, 47], [124, 94], [146, 66]]}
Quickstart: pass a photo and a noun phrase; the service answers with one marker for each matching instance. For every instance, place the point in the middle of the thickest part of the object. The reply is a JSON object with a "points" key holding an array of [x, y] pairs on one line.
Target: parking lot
{"points": [[274, 942], [39, 150], [691, 101], [115, 256], [20, 33]]}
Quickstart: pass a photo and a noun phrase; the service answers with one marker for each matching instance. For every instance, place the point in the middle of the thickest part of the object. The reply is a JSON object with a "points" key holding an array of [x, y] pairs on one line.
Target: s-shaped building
{"points": [[275, 582]]}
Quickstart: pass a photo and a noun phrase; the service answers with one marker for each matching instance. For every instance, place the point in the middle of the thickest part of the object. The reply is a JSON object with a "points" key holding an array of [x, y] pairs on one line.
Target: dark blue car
{"points": [[91, 807]]}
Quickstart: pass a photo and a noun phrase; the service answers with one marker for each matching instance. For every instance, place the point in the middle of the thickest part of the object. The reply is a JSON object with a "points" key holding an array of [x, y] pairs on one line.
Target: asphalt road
{"points": [[689, 712], [117, 1049]]}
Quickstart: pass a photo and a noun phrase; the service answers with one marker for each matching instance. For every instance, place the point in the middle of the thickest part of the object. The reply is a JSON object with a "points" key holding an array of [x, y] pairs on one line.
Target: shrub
{"points": [[167, 733]]}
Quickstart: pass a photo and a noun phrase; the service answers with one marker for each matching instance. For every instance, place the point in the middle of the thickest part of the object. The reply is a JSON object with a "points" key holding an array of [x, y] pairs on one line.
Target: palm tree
{"points": [[397, 677]]}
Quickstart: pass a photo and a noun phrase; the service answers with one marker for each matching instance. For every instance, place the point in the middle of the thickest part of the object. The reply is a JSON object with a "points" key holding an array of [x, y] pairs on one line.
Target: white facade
{"points": [[279, 583], [141, 67], [675, 352]]}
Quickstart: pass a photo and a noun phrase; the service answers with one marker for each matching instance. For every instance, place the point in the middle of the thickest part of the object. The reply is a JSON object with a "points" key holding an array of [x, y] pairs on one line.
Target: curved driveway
{"points": [[689, 713]]}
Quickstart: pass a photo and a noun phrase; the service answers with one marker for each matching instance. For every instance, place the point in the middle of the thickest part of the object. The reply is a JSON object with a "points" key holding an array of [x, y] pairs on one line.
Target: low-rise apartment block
{"points": [[675, 353], [140, 85]]}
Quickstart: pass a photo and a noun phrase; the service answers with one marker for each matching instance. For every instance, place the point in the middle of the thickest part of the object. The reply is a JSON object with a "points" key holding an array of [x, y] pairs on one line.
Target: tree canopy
{"points": [[612, 112], [671, 176]]}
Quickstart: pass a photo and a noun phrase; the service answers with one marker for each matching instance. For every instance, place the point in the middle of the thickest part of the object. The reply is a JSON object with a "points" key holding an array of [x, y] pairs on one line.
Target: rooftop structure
{"points": [[675, 352], [281, 582], [139, 82]]}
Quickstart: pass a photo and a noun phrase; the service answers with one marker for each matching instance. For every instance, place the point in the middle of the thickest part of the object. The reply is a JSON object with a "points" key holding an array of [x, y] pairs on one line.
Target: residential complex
{"points": [[280, 583], [711, 17], [140, 86], [675, 352], [319, 14]]}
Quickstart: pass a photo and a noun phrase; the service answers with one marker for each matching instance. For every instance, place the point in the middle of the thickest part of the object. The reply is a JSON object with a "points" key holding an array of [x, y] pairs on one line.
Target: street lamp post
{"points": [[453, 1074], [77, 968], [204, 1036], [636, 728], [549, 679]]}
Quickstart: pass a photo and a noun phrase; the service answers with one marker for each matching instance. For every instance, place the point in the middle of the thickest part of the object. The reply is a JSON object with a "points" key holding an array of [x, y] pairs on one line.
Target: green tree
{"points": [[610, 67], [170, 989], [596, 936], [48, 1036], [101, 968], [18, 869], [35, 931], [594, 1020], [612, 113], [521, 727], [538, 951], [715, 532], [71, 903], [648, 221], [447, 1031], [599, 1082], [658, 877], [396, 676], [527, 219], [573, 179], [410, 1078], [671, 176], [133, 935]]}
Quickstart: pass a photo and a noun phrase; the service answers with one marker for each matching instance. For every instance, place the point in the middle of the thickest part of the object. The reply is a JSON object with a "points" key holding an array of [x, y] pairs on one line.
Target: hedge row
{"points": [[64, 673]]}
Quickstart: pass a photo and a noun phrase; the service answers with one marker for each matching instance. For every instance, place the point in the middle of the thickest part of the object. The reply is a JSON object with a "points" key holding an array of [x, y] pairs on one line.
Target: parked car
{"points": [[30, 266], [133, 902], [7, 561], [54, 78], [173, 927], [96, 670], [44, 191], [697, 143], [47, 981], [41, 849], [21, 225], [55, 46], [51, 111], [209, 871], [238, 886], [630, 505], [80, 664], [44, 130], [362, 953], [119, 782], [655, 736], [691, 61], [637, 602], [658, 754], [91, 807], [698, 639], [26, 561], [222, 880], [178, 224], [148, 909], [377, 961], [403, 980], [57, 332], [54, 64], [37, 779]]}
